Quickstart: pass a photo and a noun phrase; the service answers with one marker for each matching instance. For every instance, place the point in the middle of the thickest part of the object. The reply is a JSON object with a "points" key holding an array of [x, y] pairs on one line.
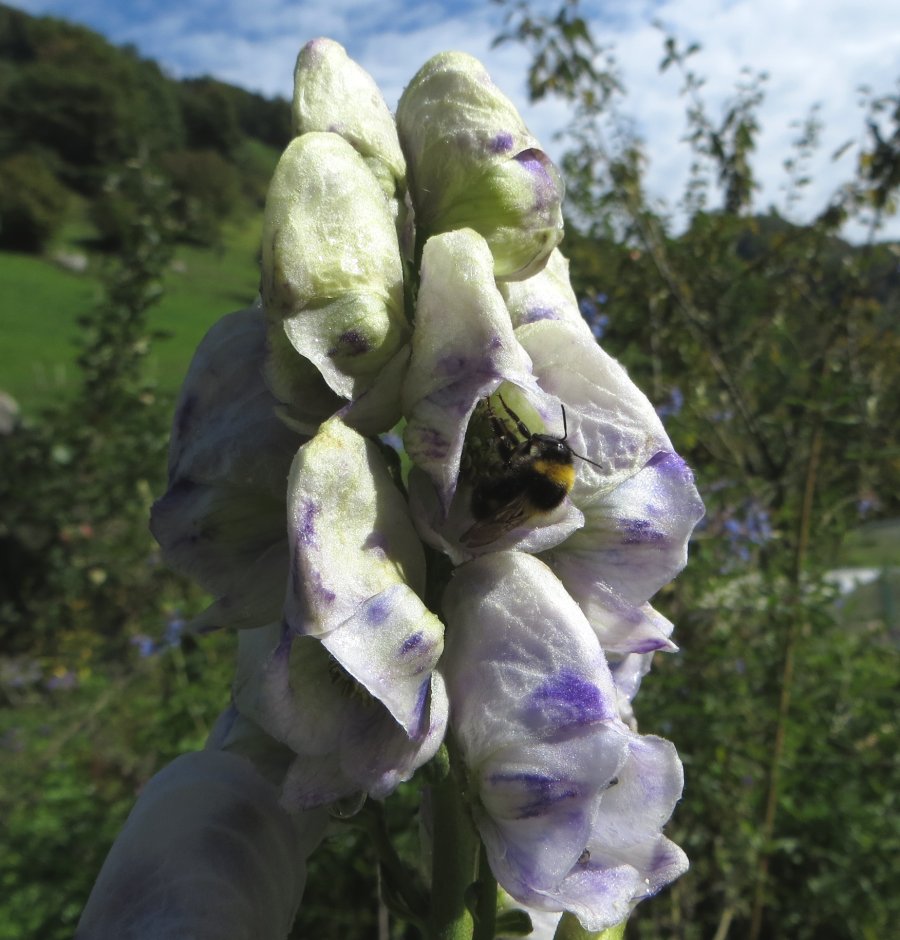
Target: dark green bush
{"points": [[32, 203], [206, 188]]}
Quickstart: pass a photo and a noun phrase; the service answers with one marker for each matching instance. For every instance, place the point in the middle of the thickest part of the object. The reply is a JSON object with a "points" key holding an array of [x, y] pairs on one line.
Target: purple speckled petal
{"points": [[221, 520], [621, 626], [534, 712], [536, 803], [570, 803], [474, 165], [516, 645], [346, 741], [462, 349], [351, 539], [390, 647], [625, 857], [547, 295], [635, 537]]}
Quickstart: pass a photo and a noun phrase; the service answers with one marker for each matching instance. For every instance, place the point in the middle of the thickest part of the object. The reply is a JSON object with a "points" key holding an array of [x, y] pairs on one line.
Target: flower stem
{"points": [[455, 854], [486, 900]]}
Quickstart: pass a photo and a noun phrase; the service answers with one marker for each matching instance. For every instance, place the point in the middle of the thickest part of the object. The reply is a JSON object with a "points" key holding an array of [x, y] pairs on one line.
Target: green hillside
{"points": [[74, 109], [40, 303]]}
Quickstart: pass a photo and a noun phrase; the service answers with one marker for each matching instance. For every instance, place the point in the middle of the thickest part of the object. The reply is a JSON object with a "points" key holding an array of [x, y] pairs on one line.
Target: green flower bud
{"points": [[333, 93], [472, 163], [331, 269]]}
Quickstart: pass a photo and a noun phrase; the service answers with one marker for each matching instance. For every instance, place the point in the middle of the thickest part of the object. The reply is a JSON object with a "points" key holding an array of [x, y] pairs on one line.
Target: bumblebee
{"points": [[531, 475]]}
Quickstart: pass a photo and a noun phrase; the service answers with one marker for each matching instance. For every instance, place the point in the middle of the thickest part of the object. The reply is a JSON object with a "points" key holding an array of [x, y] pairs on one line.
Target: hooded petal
{"points": [[473, 164], [634, 540], [357, 568], [332, 274], [208, 853], [463, 347], [345, 740], [547, 295], [225, 427], [333, 93], [536, 717]]}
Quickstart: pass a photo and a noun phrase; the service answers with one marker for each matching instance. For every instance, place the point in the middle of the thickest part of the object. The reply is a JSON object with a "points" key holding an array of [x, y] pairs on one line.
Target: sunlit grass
{"points": [[40, 304]]}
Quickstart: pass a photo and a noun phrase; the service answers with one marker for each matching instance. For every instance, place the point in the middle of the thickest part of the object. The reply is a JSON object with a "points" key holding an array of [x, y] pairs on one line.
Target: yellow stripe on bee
{"points": [[561, 473]]}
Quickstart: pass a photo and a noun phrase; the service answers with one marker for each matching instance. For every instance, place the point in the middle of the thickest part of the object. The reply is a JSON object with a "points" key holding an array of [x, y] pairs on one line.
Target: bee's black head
{"points": [[551, 448]]}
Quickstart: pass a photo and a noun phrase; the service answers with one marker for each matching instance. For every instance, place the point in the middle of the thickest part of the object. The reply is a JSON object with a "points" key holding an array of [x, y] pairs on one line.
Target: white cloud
{"points": [[813, 53]]}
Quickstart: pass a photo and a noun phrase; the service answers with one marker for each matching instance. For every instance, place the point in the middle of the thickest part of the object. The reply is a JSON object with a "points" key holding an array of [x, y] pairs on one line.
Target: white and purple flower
{"points": [[570, 803], [448, 307]]}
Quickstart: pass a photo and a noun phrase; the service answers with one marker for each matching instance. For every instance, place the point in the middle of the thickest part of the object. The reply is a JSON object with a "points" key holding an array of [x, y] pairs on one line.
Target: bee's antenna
{"points": [[593, 463]]}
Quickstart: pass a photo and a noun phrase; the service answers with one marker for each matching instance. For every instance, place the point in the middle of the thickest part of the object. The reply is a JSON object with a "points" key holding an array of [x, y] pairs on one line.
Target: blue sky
{"points": [[813, 52]]}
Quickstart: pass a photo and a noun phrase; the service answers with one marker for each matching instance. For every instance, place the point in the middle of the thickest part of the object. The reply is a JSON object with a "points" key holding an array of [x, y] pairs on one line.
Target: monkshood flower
{"points": [[332, 277], [207, 853], [221, 520], [538, 470], [348, 681], [471, 163], [569, 802], [625, 502]]}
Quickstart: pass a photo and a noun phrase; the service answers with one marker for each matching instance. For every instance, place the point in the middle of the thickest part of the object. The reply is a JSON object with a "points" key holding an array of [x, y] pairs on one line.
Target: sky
{"points": [[816, 52]]}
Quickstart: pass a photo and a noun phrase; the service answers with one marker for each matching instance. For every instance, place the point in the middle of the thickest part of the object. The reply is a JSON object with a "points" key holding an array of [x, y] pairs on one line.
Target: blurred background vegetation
{"points": [[130, 211]]}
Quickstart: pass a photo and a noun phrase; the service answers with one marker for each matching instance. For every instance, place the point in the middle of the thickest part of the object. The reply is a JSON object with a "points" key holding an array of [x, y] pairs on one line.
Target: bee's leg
{"points": [[520, 424], [506, 441]]}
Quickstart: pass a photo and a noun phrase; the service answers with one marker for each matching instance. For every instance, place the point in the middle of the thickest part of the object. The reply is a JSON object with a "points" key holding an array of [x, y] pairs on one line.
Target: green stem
{"points": [[455, 854], [787, 682], [486, 904], [399, 875]]}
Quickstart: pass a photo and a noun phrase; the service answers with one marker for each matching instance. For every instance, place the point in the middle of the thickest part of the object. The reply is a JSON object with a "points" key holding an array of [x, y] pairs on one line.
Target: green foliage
{"points": [[76, 750], [771, 350], [32, 202], [90, 107], [89, 618], [207, 190]]}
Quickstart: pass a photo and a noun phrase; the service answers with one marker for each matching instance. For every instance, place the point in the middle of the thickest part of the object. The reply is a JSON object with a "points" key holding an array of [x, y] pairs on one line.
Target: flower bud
{"points": [[332, 273], [333, 93], [472, 163], [207, 852]]}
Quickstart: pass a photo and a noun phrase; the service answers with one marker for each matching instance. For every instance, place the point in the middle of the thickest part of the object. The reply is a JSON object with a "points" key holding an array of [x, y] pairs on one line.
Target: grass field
{"points": [[40, 304]]}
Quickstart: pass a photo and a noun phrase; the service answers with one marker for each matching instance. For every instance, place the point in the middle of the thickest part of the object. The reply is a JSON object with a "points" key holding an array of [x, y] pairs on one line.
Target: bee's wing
{"points": [[507, 517]]}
